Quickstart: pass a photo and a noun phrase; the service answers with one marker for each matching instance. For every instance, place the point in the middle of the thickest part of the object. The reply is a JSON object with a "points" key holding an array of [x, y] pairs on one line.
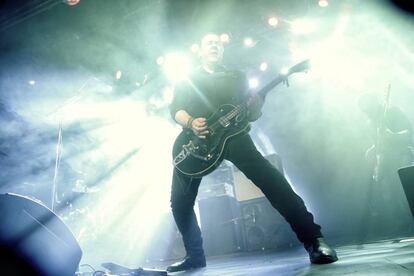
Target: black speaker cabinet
{"points": [[34, 241], [220, 225], [407, 180], [264, 228]]}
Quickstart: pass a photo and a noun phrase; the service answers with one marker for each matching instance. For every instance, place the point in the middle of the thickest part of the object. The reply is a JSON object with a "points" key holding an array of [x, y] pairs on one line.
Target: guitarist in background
{"points": [[392, 149], [211, 86]]}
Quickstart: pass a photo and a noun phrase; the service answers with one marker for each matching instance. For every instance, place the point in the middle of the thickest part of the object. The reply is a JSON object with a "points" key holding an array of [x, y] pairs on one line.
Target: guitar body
{"points": [[196, 157]]}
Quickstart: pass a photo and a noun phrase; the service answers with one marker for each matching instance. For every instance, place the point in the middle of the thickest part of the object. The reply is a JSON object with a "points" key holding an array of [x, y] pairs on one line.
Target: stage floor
{"points": [[390, 257]]}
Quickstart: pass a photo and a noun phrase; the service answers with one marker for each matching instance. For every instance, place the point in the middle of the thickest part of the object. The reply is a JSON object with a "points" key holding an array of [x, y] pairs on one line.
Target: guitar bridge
{"points": [[180, 157], [184, 153]]}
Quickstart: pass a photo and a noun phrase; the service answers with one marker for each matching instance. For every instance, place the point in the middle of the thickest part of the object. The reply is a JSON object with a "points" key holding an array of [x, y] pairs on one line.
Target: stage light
{"points": [[72, 2], [272, 21], [118, 75], [32, 82], [225, 38], [249, 42], [302, 26], [253, 83], [176, 66], [323, 3], [195, 48], [160, 60], [263, 66]]}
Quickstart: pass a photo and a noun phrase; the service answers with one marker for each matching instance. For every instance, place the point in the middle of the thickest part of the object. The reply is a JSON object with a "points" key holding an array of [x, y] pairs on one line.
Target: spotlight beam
{"points": [[115, 167], [176, 66]]}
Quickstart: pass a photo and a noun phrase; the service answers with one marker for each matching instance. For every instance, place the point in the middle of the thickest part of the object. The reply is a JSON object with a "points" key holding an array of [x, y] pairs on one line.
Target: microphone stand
{"points": [[59, 145], [56, 172]]}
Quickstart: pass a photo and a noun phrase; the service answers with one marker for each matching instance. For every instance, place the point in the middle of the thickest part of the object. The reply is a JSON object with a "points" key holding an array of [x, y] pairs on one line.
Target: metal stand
{"points": [[72, 100], [57, 163]]}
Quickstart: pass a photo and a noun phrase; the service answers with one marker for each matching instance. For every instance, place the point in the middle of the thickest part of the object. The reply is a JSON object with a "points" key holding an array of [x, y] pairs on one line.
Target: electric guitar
{"points": [[197, 157]]}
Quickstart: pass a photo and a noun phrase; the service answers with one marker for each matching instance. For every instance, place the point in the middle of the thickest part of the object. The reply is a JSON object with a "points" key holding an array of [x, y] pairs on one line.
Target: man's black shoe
{"points": [[320, 252], [188, 263]]}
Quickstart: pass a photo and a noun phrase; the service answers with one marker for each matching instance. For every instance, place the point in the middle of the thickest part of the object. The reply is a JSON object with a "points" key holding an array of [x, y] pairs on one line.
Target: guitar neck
{"points": [[263, 92], [300, 67]]}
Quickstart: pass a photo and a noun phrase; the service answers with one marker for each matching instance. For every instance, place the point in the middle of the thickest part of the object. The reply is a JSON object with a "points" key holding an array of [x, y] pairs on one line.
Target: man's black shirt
{"points": [[204, 93]]}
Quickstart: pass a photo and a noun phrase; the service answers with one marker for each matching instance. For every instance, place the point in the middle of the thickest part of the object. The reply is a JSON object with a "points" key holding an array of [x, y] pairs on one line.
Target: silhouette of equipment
{"points": [[34, 241]]}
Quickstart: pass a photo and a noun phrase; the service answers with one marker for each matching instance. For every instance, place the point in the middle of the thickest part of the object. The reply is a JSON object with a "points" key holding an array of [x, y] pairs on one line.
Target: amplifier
{"points": [[407, 180], [263, 227], [221, 225], [218, 183], [245, 189]]}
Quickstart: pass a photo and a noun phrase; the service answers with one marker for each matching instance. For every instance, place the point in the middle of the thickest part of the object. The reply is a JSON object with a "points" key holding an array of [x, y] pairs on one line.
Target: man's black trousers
{"points": [[242, 152]]}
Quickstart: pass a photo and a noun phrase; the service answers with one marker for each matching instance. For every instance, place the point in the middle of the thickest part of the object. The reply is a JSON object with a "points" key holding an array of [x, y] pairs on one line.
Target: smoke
{"points": [[117, 135]]}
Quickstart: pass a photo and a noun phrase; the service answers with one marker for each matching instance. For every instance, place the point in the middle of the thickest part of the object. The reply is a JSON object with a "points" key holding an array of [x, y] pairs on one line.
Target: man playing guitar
{"points": [[209, 88]]}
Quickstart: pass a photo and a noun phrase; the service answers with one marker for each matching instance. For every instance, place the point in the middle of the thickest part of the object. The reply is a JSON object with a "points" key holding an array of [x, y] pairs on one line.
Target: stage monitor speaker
{"points": [[407, 180], [245, 189], [264, 228], [34, 241], [221, 225]]}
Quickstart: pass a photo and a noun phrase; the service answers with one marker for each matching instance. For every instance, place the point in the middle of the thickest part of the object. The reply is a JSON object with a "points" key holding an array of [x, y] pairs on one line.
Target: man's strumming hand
{"points": [[199, 127]]}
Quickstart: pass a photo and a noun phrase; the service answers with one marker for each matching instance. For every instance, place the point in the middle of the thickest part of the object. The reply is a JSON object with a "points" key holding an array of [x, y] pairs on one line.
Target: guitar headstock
{"points": [[283, 77], [302, 66]]}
